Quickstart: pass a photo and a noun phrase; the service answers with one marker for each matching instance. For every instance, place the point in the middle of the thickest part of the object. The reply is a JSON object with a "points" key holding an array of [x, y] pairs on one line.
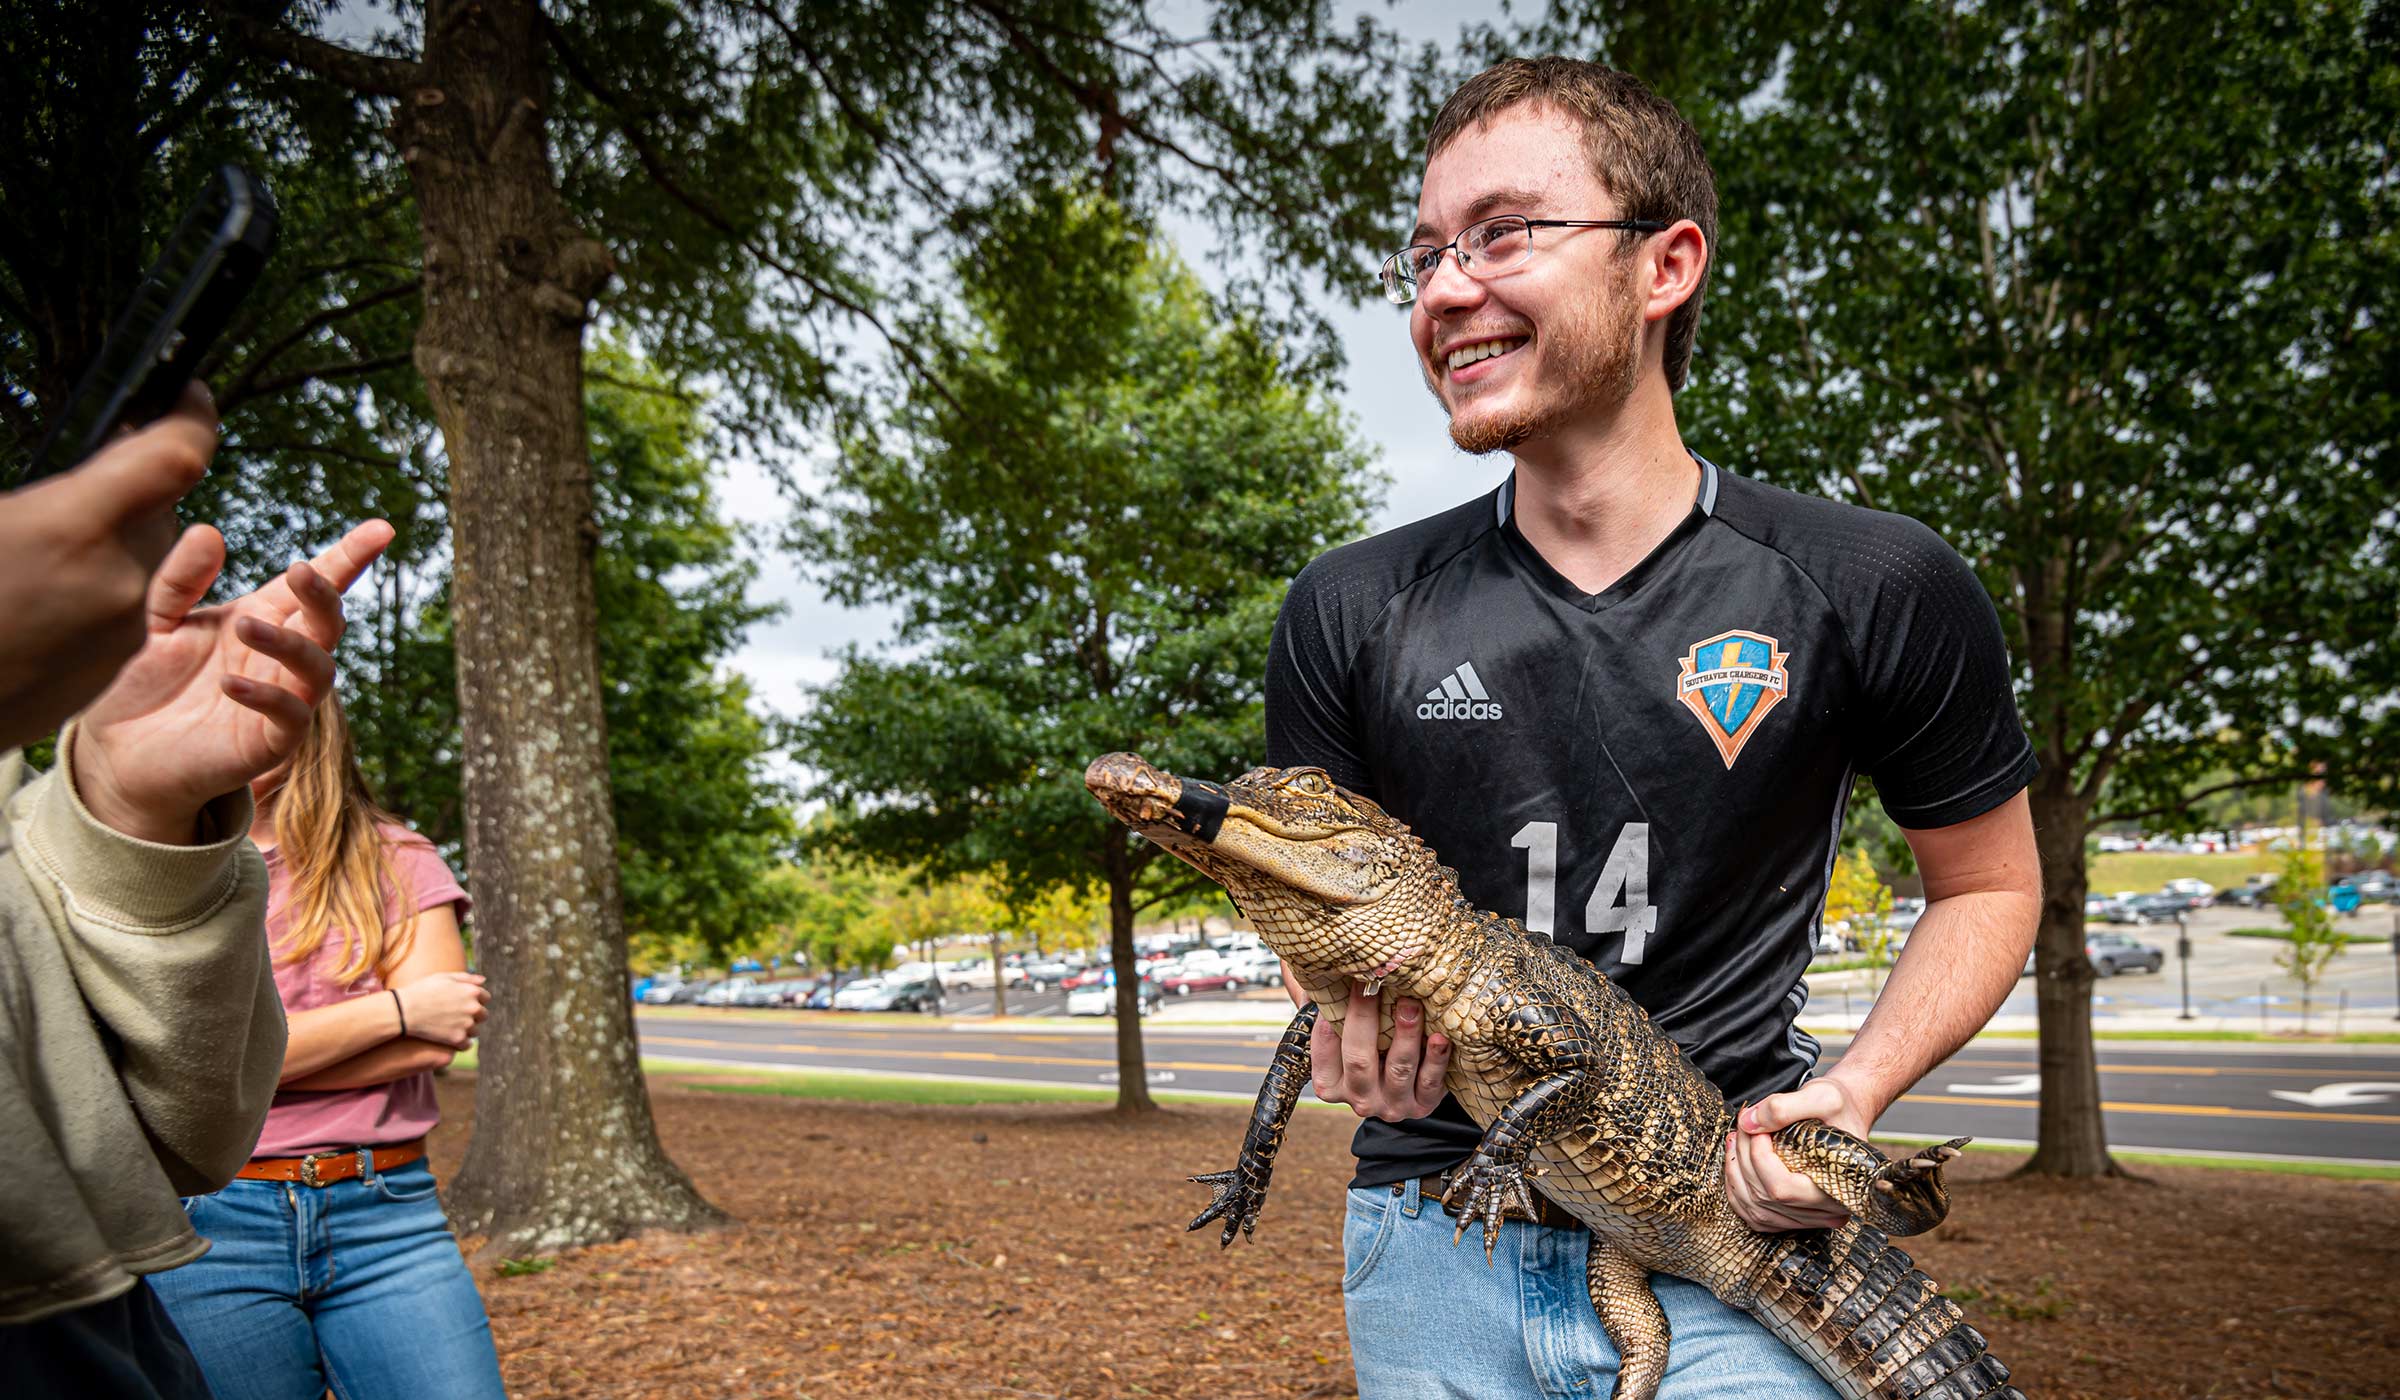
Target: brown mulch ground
{"points": [[1036, 1251]]}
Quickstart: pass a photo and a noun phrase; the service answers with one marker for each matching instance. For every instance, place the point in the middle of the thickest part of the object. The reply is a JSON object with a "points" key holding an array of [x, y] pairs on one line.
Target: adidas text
{"points": [[1447, 708]]}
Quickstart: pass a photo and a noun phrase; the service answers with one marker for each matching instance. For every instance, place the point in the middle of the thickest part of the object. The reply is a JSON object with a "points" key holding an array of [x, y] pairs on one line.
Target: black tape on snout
{"points": [[1200, 811]]}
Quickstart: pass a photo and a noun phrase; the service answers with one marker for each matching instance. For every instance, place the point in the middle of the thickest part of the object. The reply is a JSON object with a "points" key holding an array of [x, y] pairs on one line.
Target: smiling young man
{"points": [[1626, 696]]}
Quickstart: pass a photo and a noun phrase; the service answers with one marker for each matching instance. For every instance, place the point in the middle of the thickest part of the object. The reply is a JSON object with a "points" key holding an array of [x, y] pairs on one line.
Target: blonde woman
{"points": [[332, 1265]]}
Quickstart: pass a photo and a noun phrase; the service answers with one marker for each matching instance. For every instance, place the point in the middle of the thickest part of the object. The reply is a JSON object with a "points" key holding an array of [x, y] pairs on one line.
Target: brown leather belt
{"points": [[326, 1168], [1546, 1212]]}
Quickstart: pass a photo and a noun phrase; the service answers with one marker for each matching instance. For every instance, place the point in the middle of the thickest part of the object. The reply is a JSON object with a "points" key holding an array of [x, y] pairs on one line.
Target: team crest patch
{"points": [[1730, 681]]}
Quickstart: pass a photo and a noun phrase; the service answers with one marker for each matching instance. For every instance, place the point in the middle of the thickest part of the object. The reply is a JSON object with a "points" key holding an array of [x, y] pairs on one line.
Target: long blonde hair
{"points": [[328, 829]]}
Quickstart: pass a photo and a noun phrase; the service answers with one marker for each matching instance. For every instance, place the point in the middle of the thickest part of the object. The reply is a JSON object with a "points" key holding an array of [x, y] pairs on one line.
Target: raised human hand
{"points": [[219, 695]]}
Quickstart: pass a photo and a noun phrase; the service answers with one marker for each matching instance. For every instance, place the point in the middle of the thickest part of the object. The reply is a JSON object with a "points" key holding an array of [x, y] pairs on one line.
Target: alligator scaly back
{"points": [[1579, 1095]]}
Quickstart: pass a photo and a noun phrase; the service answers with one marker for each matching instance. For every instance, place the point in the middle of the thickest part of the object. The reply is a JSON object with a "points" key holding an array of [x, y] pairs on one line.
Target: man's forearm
{"points": [[1960, 962]]}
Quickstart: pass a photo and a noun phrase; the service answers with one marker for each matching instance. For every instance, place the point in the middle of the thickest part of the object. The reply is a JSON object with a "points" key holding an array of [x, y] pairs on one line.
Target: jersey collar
{"points": [[1704, 502]]}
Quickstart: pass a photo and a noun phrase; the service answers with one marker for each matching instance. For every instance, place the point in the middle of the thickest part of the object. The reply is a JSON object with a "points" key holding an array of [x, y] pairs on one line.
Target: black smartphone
{"points": [[179, 309]]}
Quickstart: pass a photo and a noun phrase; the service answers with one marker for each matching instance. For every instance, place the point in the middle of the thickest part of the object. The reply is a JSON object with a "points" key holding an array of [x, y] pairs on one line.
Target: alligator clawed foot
{"points": [[1238, 1198], [1910, 1197], [1492, 1192]]}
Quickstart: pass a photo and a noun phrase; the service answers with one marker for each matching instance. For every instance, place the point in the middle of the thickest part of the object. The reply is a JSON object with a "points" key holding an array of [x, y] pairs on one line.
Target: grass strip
{"points": [[2285, 935], [2346, 1171]]}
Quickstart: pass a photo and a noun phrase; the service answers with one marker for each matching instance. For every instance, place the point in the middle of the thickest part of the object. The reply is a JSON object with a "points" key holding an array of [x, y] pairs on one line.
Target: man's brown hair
{"points": [[1644, 152]]}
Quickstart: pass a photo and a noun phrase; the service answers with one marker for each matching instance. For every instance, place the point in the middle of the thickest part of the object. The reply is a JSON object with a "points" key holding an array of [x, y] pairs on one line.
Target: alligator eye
{"points": [[1314, 784]]}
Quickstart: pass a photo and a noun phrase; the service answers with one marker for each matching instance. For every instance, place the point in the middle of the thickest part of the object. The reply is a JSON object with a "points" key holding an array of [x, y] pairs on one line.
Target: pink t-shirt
{"points": [[305, 1120]]}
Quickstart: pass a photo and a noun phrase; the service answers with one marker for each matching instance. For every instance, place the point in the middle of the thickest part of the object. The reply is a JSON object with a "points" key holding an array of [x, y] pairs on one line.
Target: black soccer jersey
{"points": [[1655, 774]]}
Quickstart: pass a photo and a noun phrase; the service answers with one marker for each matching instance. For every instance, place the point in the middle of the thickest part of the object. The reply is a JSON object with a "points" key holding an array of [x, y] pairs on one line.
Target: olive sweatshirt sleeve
{"points": [[168, 946]]}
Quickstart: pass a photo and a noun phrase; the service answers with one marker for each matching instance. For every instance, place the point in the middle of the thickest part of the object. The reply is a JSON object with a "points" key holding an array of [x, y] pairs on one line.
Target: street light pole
{"points": [[2183, 959]]}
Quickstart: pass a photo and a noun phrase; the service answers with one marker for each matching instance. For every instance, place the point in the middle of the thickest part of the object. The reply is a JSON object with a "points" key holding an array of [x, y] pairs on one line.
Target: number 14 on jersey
{"points": [[1620, 902]]}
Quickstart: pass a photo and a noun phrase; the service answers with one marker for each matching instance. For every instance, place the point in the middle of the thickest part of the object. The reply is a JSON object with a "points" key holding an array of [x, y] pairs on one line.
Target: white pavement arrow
{"points": [[2339, 1095], [2009, 1084]]}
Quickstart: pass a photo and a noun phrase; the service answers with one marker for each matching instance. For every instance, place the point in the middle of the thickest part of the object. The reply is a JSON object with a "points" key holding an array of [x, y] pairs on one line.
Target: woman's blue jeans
{"points": [[1429, 1318], [357, 1287]]}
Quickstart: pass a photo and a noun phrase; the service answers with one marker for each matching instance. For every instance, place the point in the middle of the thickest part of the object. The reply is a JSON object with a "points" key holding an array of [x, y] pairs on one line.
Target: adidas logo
{"points": [[1460, 696]]}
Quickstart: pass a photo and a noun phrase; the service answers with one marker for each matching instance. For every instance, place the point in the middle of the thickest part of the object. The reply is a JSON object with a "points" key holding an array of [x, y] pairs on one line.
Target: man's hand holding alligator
{"points": [[1769, 1195], [1403, 1083]]}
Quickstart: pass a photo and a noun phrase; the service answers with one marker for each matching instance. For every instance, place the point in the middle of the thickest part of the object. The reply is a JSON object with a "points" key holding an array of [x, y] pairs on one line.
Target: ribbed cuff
{"points": [[128, 881]]}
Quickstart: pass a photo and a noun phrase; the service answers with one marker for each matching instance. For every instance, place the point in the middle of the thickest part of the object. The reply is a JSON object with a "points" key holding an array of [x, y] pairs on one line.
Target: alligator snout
{"points": [[1133, 792]]}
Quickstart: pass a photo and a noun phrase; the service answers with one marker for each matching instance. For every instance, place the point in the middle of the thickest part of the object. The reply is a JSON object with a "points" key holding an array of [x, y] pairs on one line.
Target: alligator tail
{"points": [[1871, 1322]]}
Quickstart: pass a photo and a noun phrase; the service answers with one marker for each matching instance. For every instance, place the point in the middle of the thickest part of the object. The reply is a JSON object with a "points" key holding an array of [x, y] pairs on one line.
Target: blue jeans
{"points": [[1428, 1319], [357, 1286]]}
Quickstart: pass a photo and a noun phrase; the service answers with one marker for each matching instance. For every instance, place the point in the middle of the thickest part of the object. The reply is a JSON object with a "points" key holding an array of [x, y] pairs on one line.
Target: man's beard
{"points": [[1595, 365]]}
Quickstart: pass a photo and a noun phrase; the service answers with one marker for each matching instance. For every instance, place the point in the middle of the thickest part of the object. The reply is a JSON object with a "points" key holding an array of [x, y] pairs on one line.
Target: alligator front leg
{"points": [[1630, 1314], [1492, 1186], [1241, 1192]]}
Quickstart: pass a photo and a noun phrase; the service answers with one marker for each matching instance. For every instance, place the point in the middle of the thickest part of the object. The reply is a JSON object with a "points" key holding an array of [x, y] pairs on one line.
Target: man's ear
{"points": [[1673, 264]]}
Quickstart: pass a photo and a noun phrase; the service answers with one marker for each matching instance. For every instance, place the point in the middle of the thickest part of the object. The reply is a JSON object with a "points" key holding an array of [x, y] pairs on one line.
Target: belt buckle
{"points": [[308, 1171]]}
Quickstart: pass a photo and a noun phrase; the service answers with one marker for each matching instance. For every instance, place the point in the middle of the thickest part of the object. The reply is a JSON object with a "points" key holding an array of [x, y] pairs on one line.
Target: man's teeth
{"points": [[1466, 355]]}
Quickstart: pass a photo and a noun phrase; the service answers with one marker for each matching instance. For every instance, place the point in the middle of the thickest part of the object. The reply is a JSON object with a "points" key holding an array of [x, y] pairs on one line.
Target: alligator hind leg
{"points": [[1630, 1314], [1903, 1197], [1242, 1192]]}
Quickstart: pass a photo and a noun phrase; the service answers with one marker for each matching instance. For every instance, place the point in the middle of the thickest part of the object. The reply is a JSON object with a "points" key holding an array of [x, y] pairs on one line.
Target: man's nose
{"points": [[1447, 288]]}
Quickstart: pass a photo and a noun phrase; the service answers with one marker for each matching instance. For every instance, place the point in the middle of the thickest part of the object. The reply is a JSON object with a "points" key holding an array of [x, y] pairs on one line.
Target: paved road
{"points": [[2212, 1099]]}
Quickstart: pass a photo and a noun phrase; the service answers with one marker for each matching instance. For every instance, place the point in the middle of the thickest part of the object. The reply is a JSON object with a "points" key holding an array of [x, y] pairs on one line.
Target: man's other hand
{"points": [[1403, 1083], [76, 555], [1765, 1193], [216, 696]]}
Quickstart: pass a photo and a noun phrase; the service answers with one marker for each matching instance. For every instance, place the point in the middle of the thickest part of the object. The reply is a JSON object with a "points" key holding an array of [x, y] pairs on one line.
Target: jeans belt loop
{"points": [[1412, 1199]]}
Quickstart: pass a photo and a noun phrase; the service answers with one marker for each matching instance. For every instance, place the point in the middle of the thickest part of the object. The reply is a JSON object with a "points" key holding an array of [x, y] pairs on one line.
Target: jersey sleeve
{"points": [[1939, 730], [1310, 722]]}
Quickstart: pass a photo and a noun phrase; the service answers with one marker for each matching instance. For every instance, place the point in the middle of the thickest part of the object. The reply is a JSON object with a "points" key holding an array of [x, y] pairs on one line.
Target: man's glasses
{"points": [[1485, 248]]}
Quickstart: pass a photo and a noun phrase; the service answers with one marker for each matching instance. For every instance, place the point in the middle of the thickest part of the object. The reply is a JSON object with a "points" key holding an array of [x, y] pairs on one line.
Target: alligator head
{"points": [[1337, 888]]}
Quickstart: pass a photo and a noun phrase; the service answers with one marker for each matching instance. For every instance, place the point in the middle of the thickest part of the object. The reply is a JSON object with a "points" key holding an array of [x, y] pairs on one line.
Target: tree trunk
{"points": [[2072, 1138], [564, 1152], [1133, 1075], [999, 980]]}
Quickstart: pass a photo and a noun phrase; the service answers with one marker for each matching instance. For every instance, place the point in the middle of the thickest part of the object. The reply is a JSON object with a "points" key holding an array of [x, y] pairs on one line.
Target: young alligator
{"points": [[1574, 1088]]}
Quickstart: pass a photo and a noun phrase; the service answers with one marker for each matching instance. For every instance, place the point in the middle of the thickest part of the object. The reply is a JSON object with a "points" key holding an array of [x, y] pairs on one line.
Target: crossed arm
{"points": [[357, 1042]]}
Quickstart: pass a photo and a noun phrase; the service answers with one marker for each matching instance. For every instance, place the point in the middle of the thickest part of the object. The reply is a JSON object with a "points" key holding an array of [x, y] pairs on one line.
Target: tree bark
{"points": [[999, 980], [564, 1152], [2072, 1136], [1133, 1075]]}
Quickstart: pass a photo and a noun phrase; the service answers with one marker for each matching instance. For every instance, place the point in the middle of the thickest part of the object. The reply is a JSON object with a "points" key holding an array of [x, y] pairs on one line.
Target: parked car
{"points": [[757, 994], [1259, 967], [2112, 953], [897, 994], [1100, 998], [2163, 906], [853, 995], [2375, 887], [1088, 977], [2200, 892], [1186, 982], [689, 993], [728, 992], [660, 992], [1046, 973], [2251, 893], [821, 999]]}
